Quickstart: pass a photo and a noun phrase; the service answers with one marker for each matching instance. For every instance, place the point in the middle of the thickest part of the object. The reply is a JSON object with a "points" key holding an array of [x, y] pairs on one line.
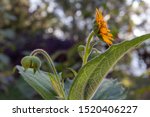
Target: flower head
{"points": [[101, 29]]}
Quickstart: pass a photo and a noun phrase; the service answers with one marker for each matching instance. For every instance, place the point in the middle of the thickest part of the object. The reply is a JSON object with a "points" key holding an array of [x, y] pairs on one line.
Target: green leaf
{"points": [[110, 89], [67, 85], [91, 74], [40, 81]]}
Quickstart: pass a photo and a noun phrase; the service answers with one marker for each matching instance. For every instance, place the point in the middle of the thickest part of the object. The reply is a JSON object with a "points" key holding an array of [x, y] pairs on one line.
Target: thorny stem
{"points": [[87, 48], [51, 64]]}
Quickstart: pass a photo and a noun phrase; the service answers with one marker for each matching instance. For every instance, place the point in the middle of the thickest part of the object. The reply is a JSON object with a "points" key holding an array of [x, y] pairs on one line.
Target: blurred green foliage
{"points": [[24, 22]]}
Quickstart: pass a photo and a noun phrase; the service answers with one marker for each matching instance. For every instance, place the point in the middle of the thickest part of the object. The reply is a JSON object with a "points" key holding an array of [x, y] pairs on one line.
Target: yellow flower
{"points": [[101, 29]]}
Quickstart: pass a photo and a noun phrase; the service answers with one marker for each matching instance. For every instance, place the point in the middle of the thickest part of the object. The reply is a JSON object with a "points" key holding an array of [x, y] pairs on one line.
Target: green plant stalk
{"points": [[51, 64], [87, 48]]}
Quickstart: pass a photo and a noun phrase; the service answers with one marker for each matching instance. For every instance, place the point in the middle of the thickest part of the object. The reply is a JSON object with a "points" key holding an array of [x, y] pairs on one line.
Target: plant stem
{"points": [[51, 65], [87, 48]]}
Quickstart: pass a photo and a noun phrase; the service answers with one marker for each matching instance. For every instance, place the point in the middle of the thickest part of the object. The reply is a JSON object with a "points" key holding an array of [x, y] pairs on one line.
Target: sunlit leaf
{"points": [[90, 76]]}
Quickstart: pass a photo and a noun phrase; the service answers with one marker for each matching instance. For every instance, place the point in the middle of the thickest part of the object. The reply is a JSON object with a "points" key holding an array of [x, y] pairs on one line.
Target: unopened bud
{"points": [[31, 62]]}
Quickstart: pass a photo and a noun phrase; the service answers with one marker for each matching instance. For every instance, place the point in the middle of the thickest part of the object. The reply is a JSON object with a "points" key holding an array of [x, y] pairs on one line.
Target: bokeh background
{"points": [[59, 26]]}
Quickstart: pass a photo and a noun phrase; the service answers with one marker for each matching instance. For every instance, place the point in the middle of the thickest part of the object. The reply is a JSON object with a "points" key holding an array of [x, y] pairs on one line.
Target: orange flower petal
{"points": [[106, 40], [99, 15], [110, 35], [104, 24], [103, 29]]}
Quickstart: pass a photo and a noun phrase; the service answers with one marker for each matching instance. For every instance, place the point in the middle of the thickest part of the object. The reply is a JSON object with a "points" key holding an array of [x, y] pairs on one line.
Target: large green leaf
{"points": [[90, 76], [40, 81]]}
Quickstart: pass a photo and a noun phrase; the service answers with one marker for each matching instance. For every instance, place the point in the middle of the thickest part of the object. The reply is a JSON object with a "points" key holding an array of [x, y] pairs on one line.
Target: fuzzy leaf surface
{"points": [[91, 74]]}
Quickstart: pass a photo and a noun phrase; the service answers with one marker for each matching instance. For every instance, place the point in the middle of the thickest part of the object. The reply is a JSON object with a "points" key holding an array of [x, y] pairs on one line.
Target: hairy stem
{"points": [[51, 65], [87, 48]]}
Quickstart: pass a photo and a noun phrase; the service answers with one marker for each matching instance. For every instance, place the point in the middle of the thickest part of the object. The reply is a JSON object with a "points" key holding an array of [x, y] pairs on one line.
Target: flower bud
{"points": [[31, 62]]}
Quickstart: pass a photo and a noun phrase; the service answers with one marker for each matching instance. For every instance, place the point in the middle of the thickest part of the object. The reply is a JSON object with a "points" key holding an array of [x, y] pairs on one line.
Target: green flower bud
{"points": [[31, 62]]}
